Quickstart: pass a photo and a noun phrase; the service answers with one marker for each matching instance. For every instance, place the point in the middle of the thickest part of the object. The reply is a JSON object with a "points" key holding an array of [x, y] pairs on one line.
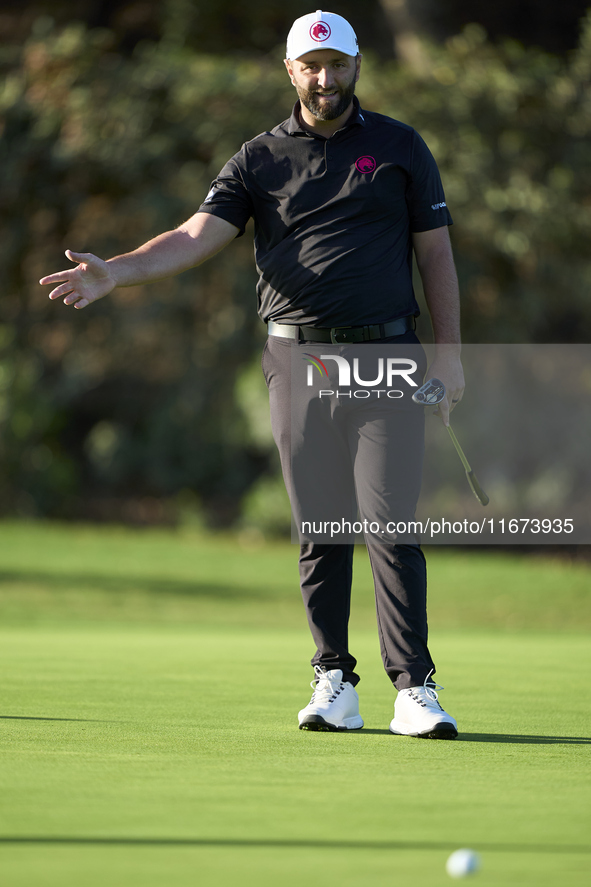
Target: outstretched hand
{"points": [[90, 280]]}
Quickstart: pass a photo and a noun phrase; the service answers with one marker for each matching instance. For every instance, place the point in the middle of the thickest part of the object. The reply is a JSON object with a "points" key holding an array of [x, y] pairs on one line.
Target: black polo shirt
{"points": [[333, 217]]}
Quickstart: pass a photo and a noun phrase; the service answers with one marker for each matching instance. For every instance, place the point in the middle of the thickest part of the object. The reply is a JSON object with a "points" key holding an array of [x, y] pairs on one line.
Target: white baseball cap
{"points": [[321, 30]]}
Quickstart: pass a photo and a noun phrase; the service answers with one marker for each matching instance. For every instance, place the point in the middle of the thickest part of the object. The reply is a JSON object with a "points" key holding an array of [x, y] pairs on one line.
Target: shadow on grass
{"points": [[462, 737], [294, 844], [524, 739], [31, 718], [365, 730], [126, 584], [485, 737]]}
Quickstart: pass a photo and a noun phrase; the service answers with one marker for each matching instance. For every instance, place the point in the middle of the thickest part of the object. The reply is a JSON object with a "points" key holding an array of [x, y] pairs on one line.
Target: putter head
{"points": [[430, 394]]}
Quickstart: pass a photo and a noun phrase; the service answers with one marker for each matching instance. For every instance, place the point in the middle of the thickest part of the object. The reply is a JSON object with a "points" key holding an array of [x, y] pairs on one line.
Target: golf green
{"points": [[152, 755]]}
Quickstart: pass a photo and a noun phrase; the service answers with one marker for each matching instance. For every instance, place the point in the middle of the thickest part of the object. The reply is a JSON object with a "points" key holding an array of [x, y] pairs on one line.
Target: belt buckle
{"points": [[339, 335]]}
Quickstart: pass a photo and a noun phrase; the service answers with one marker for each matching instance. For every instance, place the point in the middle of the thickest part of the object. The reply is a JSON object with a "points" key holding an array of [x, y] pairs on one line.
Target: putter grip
{"points": [[476, 488]]}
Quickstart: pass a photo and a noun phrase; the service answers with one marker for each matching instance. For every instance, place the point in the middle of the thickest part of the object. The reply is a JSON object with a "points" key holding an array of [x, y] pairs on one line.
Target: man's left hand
{"points": [[448, 368]]}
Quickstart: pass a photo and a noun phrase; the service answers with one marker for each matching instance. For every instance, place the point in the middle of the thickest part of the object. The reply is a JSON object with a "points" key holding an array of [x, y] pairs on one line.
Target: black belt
{"points": [[343, 335]]}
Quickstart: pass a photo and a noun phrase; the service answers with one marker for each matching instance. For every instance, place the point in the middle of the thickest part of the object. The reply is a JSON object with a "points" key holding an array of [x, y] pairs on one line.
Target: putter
{"points": [[430, 394]]}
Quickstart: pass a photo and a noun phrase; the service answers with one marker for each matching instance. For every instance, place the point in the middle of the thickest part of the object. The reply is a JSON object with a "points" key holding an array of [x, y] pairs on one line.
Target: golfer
{"points": [[341, 198]]}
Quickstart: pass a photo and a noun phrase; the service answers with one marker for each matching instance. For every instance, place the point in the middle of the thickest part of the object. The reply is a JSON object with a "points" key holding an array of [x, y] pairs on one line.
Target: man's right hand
{"points": [[91, 279], [201, 236]]}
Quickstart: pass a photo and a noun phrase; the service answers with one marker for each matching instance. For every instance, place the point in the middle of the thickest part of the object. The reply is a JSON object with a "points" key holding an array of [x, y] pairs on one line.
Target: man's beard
{"points": [[327, 110]]}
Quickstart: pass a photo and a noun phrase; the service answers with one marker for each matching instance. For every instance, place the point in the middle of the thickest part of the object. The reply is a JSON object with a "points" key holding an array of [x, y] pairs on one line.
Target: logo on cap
{"points": [[365, 164], [320, 32]]}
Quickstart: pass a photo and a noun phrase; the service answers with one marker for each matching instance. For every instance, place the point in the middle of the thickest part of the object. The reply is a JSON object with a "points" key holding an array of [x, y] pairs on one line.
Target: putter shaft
{"points": [[474, 485]]}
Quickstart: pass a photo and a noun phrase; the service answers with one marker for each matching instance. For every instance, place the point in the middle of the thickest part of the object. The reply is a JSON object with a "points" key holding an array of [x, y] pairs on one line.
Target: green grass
{"points": [[52, 573], [150, 686]]}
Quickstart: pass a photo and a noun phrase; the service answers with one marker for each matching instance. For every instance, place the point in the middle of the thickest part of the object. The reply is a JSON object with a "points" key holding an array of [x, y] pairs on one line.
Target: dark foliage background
{"points": [[233, 26], [115, 117]]}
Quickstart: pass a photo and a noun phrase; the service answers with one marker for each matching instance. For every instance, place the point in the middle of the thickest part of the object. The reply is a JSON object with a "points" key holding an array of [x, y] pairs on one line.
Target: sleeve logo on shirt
{"points": [[365, 164], [320, 32], [438, 205]]}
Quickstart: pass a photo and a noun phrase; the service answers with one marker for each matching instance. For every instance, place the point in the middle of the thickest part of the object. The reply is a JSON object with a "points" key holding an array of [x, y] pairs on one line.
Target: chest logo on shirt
{"points": [[365, 164], [320, 32]]}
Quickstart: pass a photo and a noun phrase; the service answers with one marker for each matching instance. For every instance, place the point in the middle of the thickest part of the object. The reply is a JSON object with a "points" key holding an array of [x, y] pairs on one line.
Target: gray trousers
{"points": [[379, 458]]}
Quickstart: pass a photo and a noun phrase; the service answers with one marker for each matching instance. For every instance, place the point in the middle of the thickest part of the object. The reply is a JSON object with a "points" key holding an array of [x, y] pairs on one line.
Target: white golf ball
{"points": [[462, 862]]}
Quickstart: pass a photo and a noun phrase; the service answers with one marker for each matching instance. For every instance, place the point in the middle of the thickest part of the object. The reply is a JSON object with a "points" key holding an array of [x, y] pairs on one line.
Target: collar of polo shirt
{"points": [[294, 127]]}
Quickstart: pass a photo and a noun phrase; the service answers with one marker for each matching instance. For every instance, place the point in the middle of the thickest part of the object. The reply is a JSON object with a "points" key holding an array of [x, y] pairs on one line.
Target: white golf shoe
{"points": [[417, 712], [334, 704]]}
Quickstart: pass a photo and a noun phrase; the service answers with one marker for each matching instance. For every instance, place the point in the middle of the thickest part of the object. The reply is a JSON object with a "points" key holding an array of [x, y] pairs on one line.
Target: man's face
{"points": [[325, 81]]}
